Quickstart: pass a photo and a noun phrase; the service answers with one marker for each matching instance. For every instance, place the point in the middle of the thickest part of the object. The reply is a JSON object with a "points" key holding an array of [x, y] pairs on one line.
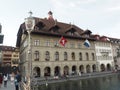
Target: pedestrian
{"points": [[17, 80], [5, 78], [16, 84], [12, 78], [79, 73], [1, 79]]}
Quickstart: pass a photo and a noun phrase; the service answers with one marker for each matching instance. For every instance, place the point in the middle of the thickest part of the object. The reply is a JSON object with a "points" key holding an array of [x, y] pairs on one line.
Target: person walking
{"points": [[12, 78], [1, 80], [17, 80], [16, 84], [5, 78]]}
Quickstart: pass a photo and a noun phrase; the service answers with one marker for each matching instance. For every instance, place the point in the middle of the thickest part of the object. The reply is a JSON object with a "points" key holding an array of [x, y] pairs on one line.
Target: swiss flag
{"points": [[63, 41]]}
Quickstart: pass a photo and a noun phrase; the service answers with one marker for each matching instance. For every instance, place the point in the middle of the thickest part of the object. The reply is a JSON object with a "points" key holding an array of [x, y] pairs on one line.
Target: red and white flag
{"points": [[62, 41]]}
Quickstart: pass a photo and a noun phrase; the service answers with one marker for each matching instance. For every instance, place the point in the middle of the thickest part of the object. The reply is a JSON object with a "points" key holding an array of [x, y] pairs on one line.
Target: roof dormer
{"points": [[72, 31], [54, 29], [86, 33], [40, 25]]}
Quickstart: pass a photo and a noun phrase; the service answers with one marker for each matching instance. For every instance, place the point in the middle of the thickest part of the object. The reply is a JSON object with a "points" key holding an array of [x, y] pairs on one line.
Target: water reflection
{"points": [[104, 83]]}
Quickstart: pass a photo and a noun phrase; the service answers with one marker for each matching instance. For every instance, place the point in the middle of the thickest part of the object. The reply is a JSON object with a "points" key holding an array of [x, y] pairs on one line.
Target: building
{"points": [[9, 59], [116, 51], [57, 48], [15, 60], [104, 53], [1, 41]]}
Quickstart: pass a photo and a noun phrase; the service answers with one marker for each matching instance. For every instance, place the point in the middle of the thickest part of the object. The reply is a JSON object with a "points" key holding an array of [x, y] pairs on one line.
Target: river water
{"points": [[103, 83]]}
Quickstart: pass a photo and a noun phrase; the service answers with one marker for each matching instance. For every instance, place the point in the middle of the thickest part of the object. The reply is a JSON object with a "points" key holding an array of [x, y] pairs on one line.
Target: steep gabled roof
{"points": [[44, 26]]}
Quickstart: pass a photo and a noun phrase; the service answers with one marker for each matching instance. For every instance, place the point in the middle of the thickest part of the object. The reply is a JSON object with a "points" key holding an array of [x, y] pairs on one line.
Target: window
{"points": [[47, 56], [72, 45], [56, 56], [56, 44], [93, 56], [65, 56], [15, 61], [87, 57], [36, 55], [55, 29], [80, 56], [79, 45], [40, 25], [36, 42], [73, 56], [47, 43]]}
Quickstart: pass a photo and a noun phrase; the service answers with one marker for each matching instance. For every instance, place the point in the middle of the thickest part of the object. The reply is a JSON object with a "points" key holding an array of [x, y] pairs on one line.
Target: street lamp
{"points": [[29, 24]]}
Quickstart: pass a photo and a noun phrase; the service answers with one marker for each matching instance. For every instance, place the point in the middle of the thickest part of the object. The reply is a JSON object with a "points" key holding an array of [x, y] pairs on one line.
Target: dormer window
{"points": [[55, 29], [40, 25], [86, 33], [71, 31]]}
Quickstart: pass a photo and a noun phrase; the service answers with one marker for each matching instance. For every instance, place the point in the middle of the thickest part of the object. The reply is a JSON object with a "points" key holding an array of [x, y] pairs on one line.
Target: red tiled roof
{"points": [[45, 26]]}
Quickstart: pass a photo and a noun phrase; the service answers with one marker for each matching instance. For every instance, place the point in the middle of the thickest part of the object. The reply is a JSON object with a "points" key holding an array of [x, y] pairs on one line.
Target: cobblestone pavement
{"points": [[10, 86]]}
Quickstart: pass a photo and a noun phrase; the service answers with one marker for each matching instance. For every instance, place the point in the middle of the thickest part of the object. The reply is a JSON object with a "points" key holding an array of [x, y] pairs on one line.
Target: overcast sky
{"points": [[100, 16]]}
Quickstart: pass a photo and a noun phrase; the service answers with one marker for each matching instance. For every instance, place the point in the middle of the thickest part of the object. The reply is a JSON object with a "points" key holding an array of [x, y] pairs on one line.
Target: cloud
{"points": [[116, 8], [112, 31], [71, 3]]}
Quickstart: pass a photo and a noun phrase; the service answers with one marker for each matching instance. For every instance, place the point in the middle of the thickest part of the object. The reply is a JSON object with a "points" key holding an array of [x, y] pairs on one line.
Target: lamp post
{"points": [[29, 24]]}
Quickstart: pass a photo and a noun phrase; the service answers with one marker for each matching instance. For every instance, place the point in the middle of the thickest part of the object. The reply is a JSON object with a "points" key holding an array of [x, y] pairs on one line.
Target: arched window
{"points": [[56, 56], [93, 56], [73, 56], [36, 55], [87, 56], [47, 56], [80, 56], [65, 56]]}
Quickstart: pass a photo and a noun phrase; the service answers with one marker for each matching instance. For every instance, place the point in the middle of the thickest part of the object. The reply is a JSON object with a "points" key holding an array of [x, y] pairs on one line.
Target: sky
{"points": [[100, 16]]}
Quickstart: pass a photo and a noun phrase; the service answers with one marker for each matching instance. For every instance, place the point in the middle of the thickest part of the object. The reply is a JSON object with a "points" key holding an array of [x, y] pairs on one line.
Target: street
{"points": [[9, 86]]}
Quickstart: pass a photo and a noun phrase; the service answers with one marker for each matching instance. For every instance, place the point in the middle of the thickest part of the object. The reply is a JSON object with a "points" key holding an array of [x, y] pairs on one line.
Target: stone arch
{"points": [[102, 66], [47, 71], [81, 68], [88, 69], [74, 70], [57, 71], [66, 70], [94, 68], [36, 72], [108, 67]]}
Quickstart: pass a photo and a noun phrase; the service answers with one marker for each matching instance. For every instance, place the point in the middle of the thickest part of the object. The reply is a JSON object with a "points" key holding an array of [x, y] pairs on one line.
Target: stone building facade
{"points": [[115, 42], [49, 57], [104, 53]]}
